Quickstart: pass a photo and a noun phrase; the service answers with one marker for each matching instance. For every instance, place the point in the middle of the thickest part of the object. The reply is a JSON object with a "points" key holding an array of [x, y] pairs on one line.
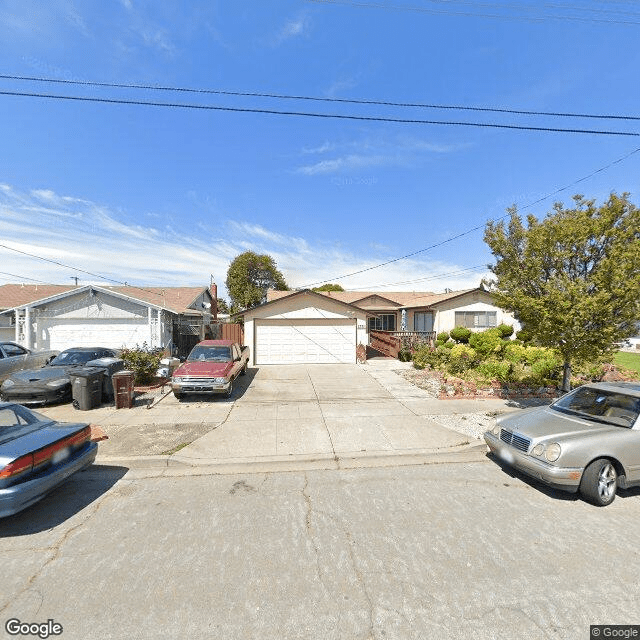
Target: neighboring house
{"points": [[59, 317], [326, 327]]}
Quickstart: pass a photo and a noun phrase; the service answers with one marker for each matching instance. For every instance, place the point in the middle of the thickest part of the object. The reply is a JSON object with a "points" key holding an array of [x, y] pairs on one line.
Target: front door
{"points": [[423, 321]]}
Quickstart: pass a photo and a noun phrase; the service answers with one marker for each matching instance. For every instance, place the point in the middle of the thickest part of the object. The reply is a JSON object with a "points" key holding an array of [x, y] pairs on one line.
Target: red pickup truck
{"points": [[210, 368]]}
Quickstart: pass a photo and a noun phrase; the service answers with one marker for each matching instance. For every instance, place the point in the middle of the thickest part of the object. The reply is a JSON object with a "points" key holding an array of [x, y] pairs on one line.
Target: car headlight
{"points": [[496, 430], [178, 380], [54, 384], [538, 450], [219, 380], [7, 383], [553, 452]]}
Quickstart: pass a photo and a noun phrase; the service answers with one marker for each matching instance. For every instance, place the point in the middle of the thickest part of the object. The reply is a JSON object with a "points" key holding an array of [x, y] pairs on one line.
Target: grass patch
{"points": [[627, 360], [175, 449]]}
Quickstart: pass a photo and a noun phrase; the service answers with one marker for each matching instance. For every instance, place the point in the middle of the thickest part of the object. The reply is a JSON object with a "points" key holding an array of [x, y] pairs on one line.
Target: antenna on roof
{"points": [[75, 278]]}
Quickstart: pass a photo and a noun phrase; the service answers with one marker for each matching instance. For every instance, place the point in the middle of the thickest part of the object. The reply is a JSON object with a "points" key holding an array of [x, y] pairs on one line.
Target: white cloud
{"points": [[293, 28], [93, 238], [352, 162]]}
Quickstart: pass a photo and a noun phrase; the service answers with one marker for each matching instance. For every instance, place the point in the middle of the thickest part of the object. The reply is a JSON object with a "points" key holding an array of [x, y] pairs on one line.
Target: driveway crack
{"points": [[324, 422]]}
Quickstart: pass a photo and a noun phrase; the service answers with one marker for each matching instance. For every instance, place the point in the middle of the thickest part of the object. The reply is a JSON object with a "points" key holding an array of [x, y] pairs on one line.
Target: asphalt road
{"points": [[437, 551]]}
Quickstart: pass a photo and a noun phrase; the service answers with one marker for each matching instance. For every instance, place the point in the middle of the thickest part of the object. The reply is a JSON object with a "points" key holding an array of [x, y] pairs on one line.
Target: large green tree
{"points": [[248, 278], [572, 279], [328, 287]]}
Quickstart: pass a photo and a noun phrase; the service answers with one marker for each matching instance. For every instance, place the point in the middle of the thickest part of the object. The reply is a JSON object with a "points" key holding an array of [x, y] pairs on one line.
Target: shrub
{"points": [[461, 334], [462, 358], [495, 370], [144, 362], [514, 352], [486, 342], [449, 345], [430, 356], [443, 336], [523, 335], [506, 330], [404, 355]]}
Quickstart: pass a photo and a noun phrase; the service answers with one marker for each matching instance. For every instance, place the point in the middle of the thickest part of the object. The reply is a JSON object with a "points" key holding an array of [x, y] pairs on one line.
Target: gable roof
{"points": [[292, 294], [404, 299], [176, 299]]}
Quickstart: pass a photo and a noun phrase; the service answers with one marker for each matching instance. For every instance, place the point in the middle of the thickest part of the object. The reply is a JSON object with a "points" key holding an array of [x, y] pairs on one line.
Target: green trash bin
{"points": [[86, 387]]}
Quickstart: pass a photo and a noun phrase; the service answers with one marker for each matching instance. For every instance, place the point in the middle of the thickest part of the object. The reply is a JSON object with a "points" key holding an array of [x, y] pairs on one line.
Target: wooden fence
{"points": [[233, 332]]}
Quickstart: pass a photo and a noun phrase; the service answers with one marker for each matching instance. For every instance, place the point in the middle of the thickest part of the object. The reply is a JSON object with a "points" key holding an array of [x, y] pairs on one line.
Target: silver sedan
{"points": [[15, 357], [586, 441]]}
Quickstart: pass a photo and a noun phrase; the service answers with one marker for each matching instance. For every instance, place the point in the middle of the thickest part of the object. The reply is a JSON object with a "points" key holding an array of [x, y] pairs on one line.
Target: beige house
{"points": [[423, 312], [328, 327]]}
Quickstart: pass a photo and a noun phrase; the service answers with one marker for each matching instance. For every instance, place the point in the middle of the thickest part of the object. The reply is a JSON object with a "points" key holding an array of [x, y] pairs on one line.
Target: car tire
{"points": [[177, 395], [243, 371], [229, 390], [599, 483]]}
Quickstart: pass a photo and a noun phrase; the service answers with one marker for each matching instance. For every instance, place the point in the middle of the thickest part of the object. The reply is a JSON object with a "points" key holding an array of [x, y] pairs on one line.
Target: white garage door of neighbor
{"points": [[303, 341], [112, 334]]}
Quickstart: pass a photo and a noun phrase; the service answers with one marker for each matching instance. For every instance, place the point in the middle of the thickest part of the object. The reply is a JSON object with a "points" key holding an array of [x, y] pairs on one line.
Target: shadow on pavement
{"points": [[78, 492]]}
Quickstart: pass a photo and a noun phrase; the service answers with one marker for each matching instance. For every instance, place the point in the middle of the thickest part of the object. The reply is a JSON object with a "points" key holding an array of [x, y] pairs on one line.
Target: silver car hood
{"points": [[545, 422]]}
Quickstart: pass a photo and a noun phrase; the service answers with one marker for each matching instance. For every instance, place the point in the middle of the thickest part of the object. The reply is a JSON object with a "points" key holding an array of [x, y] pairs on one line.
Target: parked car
{"points": [[15, 357], [211, 368], [37, 454], [588, 441], [51, 383]]}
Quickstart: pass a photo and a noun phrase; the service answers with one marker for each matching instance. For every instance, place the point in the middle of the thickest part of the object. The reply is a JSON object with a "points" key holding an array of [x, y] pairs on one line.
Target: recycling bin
{"points": [[86, 387], [109, 366], [123, 388]]}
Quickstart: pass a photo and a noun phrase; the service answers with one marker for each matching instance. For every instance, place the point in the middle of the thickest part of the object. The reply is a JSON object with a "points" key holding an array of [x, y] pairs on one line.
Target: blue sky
{"points": [[169, 196]]}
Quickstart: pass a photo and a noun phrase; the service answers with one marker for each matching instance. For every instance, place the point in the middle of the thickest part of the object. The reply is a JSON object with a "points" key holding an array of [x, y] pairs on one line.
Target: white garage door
{"points": [[65, 333], [302, 341]]}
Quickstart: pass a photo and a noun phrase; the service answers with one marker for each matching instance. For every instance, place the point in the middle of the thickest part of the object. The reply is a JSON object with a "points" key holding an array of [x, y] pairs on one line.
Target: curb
{"points": [[176, 464]]}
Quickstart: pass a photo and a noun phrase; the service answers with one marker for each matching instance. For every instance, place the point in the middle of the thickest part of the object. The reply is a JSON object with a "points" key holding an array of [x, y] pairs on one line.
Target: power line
{"points": [[425, 279], [13, 275], [470, 14], [469, 231], [280, 96], [309, 114], [66, 266]]}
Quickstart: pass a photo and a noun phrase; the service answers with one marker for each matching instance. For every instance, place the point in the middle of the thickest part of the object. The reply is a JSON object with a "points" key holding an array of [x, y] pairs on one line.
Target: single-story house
{"points": [[59, 317], [327, 327]]}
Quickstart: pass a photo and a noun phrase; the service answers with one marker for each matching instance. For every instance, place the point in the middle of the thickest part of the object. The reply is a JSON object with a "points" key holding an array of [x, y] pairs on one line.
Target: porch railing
{"points": [[391, 342]]}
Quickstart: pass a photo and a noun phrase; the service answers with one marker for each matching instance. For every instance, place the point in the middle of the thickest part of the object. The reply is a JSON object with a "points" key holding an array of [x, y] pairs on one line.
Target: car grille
{"points": [[190, 380], [516, 441]]}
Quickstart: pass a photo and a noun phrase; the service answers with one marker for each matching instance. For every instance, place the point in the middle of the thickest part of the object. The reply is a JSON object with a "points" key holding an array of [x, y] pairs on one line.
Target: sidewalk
{"points": [[287, 418]]}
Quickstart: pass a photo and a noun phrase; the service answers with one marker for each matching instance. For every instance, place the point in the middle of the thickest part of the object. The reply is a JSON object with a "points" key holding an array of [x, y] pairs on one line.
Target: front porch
{"points": [[390, 343]]}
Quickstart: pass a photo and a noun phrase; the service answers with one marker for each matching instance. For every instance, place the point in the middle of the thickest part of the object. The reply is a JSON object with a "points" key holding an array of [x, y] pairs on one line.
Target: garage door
{"points": [[99, 332], [302, 341]]}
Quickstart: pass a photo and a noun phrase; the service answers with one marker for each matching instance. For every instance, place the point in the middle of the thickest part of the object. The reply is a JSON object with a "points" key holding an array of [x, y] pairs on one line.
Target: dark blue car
{"points": [[37, 454]]}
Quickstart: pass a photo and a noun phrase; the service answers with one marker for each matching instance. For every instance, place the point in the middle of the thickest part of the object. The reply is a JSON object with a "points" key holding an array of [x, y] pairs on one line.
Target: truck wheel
{"points": [[243, 371], [229, 390], [599, 483], [177, 395]]}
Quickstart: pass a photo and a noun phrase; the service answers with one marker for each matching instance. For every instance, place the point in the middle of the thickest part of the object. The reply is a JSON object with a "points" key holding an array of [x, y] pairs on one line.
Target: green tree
{"points": [[248, 278], [223, 307], [328, 287], [572, 279]]}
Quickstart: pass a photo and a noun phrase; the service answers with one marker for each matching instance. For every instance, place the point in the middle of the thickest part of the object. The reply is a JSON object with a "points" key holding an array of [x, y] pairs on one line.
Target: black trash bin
{"points": [[109, 366], [86, 387]]}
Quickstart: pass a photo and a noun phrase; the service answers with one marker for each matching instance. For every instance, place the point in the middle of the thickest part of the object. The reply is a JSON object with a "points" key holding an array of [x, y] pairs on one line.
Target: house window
{"points": [[476, 319], [423, 321], [383, 322]]}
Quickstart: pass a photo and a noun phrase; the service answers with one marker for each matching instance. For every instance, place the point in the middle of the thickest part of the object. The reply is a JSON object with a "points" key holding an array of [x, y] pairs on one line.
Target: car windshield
{"points": [[600, 405], [67, 358], [203, 353]]}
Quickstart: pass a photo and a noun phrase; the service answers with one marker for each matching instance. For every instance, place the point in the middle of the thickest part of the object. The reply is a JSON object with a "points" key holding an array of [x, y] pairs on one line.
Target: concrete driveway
{"points": [[316, 413]]}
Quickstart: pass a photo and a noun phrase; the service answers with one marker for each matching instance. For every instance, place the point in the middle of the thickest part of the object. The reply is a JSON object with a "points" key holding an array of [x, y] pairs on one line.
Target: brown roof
{"points": [[402, 298], [177, 299]]}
